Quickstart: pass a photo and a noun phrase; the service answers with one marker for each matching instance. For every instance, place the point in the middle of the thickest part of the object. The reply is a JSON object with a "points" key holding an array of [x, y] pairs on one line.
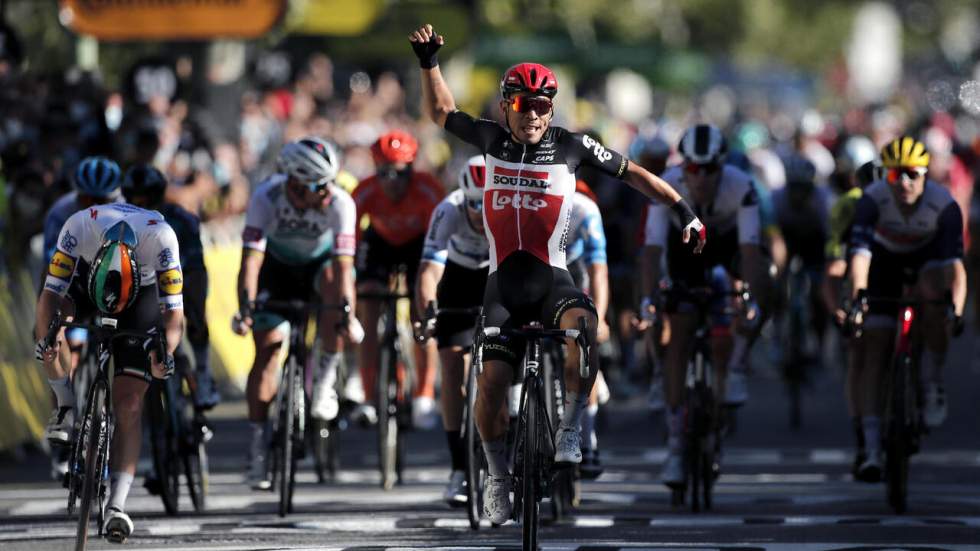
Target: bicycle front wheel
{"points": [[531, 466], [388, 429], [163, 443], [476, 462], [897, 435], [95, 439], [287, 463]]}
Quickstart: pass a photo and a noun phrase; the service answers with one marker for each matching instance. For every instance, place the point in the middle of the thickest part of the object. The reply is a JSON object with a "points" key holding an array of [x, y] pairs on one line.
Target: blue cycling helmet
{"points": [[98, 177]]}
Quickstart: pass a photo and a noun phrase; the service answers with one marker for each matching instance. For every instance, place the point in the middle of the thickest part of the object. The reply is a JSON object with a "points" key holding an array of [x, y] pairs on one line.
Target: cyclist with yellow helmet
{"points": [[907, 234]]}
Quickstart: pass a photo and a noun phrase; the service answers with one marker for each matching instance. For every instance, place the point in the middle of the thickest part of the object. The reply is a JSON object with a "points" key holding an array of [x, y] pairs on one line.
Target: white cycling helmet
{"points": [[472, 178], [309, 160], [702, 144]]}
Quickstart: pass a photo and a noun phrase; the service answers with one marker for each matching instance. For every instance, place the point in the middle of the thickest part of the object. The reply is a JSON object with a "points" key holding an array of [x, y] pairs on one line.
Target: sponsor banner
{"points": [[171, 19]]}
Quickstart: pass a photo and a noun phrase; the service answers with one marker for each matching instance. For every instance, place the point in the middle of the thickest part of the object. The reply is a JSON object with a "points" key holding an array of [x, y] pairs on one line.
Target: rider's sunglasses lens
{"points": [[525, 104], [695, 168], [895, 175], [474, 204]]}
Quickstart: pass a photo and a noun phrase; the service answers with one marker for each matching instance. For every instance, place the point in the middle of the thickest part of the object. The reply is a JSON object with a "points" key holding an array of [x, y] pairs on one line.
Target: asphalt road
{"points": [[779, 489]]}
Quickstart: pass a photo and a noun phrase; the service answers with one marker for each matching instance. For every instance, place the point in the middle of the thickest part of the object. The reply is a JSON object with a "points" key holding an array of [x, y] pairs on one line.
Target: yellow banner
{"points": [[171, 19], [334, 17]]}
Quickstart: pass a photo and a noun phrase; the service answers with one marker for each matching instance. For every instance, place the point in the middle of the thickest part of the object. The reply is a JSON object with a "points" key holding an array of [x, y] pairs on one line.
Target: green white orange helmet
{"points": [[114, 276]]}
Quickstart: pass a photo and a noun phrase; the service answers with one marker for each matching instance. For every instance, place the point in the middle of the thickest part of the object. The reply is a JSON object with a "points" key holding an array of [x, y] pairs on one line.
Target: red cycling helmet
{"points": [[396, 146], [532, 78]]}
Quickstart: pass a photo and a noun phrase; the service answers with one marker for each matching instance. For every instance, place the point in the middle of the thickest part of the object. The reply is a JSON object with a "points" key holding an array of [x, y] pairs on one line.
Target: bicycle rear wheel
{"points": [[164, 445], [531, 467], [897, 436], [287, 459], [95, 439], [388, 427], [476, 462]]}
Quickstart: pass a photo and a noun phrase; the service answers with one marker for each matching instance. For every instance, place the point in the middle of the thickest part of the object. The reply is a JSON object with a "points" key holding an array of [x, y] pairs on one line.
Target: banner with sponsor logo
{"points": [[171, 19]]}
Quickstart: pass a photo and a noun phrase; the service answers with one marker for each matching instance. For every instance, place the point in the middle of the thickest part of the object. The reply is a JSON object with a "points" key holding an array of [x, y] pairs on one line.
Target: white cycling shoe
{"points": [[455, 494], [424, 413], [325, 402], [568, 446], [118, 526], [496, 499], [736, 389], [673, 474], [934, 410], [258, 477]]}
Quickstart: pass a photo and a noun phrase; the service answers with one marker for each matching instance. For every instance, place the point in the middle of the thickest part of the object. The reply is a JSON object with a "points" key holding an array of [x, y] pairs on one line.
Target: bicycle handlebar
{"points": [[535, 332], [106, 329]]}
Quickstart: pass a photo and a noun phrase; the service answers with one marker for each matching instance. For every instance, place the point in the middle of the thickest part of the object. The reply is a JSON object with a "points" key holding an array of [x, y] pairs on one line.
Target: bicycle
{"points": [[178, 438], [289, 434], [903, 422], [394, 390], [798, 322], [704, 424], [532, 456], [88, 465]]}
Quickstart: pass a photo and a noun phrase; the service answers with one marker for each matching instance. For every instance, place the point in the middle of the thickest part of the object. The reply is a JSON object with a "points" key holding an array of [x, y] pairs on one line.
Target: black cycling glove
{"points": [[426, 52]]}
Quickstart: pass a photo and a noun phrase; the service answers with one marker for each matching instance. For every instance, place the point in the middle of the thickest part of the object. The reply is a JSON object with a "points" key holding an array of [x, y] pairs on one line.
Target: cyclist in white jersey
{"points": [[123, 262], [453, 274], [530, 180], [298, 243], [907, 233], [724, 195]]}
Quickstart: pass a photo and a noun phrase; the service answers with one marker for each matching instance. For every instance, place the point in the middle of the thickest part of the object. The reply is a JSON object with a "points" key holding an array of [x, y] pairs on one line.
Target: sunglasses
{"points": [[391, 173], [698, 168], [314, 187], [525, 104], [895, 175], [475, 204]]}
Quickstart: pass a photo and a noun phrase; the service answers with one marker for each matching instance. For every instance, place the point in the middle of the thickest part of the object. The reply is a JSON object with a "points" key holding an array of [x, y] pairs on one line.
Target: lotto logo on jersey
{"points": [[171, 282], [61, 266], [596, 147], [509, 177], [504, 199]]}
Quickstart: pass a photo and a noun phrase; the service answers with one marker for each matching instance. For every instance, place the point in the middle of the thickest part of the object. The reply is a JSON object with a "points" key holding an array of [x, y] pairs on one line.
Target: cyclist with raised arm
{"points": [[453, 274], [298, 243], [725, 196], [530, 181], [398, 201], [907, 233], [122, 262], [145, 187]]}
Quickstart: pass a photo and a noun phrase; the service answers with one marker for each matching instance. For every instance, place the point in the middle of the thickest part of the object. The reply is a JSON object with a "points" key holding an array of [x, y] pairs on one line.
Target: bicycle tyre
{"points": [[196, 471], [531, 474], [388, 429], [897, 437], [476, 468], [165, 451], [287, 463], [96, 438]]}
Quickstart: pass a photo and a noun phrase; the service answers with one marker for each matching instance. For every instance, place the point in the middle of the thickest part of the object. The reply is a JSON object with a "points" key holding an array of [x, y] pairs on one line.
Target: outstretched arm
{"points": [[437, 100], [656, 188]]}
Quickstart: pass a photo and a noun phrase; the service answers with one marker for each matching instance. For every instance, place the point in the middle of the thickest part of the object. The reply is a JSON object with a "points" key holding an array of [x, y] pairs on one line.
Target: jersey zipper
{"points": [[518, 198]]}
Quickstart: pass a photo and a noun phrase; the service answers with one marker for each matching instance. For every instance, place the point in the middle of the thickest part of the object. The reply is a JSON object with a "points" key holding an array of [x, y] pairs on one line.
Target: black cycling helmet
{"points": [[144, 180]]}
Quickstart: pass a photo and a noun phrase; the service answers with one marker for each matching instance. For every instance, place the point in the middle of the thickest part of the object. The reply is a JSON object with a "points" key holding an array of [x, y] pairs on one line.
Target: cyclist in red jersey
{"points": [[398, 202], [527, 199]]}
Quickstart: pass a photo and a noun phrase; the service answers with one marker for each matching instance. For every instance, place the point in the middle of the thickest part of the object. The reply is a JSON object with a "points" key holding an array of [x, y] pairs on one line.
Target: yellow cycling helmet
{"points": [[904, 152]]}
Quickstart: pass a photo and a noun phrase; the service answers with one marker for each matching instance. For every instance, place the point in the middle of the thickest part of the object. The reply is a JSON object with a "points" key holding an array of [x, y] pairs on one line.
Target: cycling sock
{"points": [[933, 363], [257, 448], [457, 450], [589, 440], [327, 374], [858, 432], [872, 433], [675, 428], [63, 392], [496, 451], [735, 361], [119, 483], [574, 405], [202, 358]]}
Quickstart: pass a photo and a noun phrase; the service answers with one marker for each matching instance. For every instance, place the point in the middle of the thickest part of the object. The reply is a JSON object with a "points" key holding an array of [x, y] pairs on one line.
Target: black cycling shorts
{"points": [[281, 281], [890, 272], [522, 290], [128, 354], [459, 288], [694, 270], [377, 259]]}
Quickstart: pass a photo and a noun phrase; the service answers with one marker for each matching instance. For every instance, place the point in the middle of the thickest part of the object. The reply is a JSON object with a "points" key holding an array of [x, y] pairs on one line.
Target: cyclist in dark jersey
{"points": [[527, 199]]}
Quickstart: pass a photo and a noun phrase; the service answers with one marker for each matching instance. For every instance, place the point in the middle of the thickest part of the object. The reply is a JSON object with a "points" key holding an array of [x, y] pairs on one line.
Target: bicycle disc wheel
{"points": [[476, 467], [95, 438], [896, 439], [388, 419], [287, 463], [531, 467]]}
